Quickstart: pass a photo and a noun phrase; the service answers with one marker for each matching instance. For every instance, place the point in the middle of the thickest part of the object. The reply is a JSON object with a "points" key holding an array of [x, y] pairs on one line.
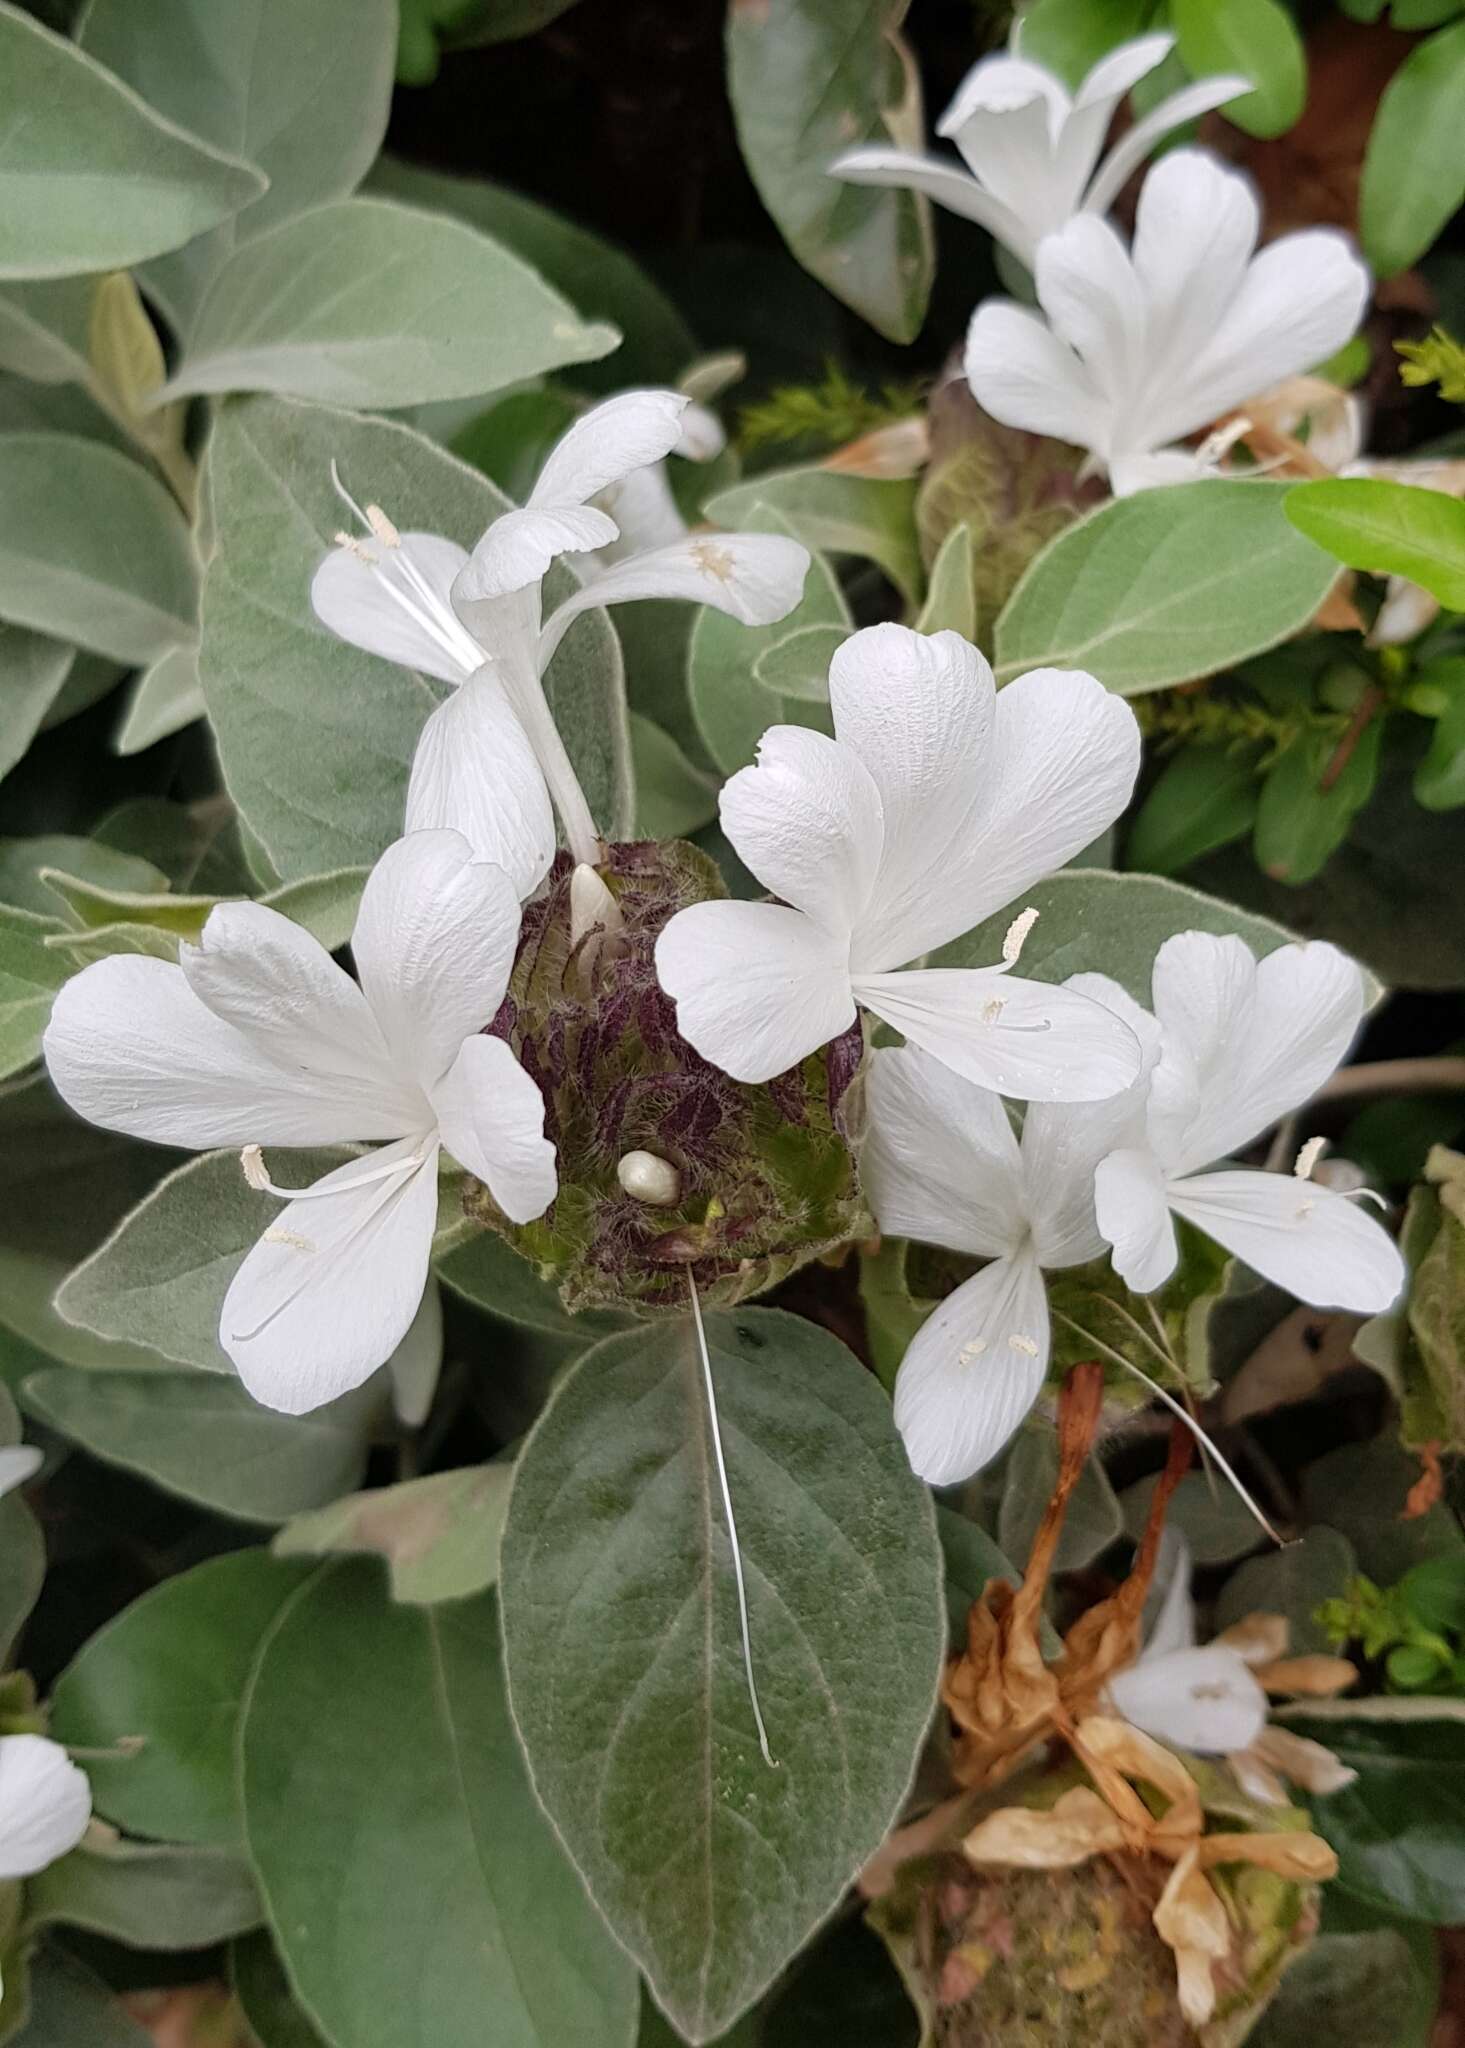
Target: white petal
{"points": [[414, 1367], [1065, 754], [973, 1370], [646, 514], [434, 945], [1245, 1040], [475, 772], [702, 436], [130, 1046], [757, 987], [753, 577], [18, 1464], [1130, 151], [284, 994], [940, 1162], [1001, 84], [1026, 1039], [1024, 376], [45, 1804], [1166, 466], [518, 548], [954, 189], [1173, 1627], [1007, 120], [396, 602], [1205, 1700], [491, 1118], [1319, 1245], [1134, 1217], [1087, 287], [1144, 1026], [1122, 68], [917, 710], [331, 1289], [1062, 1145], [624, 433], [807, 822]]}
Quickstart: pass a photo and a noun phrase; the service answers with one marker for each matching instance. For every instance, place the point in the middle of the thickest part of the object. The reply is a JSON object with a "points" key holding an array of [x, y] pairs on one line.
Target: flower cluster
{"points": [[1134, 348]]}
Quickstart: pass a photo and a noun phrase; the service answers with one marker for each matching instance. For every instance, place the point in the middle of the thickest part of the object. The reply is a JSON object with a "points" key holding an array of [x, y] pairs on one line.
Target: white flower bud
{"points": [[651, 1180]]}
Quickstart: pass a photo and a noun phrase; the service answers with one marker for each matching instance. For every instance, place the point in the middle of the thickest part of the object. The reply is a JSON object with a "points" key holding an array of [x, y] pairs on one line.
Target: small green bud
{"points": [[1341, 685], [666, 1165]]}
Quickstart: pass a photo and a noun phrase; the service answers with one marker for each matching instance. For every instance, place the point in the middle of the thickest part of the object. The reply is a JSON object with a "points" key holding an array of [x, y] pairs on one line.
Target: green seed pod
{"points": [[756, 1181]]}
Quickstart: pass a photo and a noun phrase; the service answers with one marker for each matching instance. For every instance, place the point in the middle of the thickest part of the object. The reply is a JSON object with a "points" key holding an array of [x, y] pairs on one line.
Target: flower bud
{"points": [[666, 1165]]}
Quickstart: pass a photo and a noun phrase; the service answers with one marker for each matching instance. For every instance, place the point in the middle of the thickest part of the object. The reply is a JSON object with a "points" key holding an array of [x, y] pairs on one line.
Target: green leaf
{"points": [[1439, 780], [1299, 822], [93, 549], [1399, 1829], [160, 1279], [1203, 798], [1389, 529], [45, 329], [1361, 1490], [1070, 36], [368, 303], [622, 1641], [302, 92], [600, 280], [871, 517], [1094, 1520], [22, 1546], [30, 974], [156, 1695], [276, 2020], [90, 177], [1368, 1989], [798, 664], [316, 737], [439, 1535], [201, 1436], [1292, 1582], [1091, 919], [673, 798], [490, 1274], [808, 80], [972, 1560], [951, 598], [1414, 168], [146, 1895], [1165, 586], [166, 697], [68, 2005], [1206, 1509], [381, 1772], [732, 710], [1258, 39], [33, 671]]}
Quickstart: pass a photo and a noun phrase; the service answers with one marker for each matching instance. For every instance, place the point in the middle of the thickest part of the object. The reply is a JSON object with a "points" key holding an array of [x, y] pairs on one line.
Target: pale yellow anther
{"points": [[1023, 1344], [1017, 933], [382, 527], [971, 1350], [252, 1159], [993, 1010], [1309, 1156]]}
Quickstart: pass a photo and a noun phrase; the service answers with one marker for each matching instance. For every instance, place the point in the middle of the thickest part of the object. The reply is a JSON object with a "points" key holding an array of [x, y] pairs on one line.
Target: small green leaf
{"points": [[381, 1774], [1292, 1582], [622, 1642], [166, 697], [93, 549], [1414, 169], [809, 80], [798, 664], [1166, 586], [22, 1546], [367, 303], [156, 1695], [1070, 36], [147, 1895], [90, 177], [30, 975], [951, 598], [439, 1535], [1389, 529], [1303, 817], [1258, 39], [1203, 798]]}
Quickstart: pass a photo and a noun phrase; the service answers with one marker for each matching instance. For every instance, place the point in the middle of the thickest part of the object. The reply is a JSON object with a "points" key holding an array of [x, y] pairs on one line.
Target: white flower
{"points": [[1203, 1698], [643, 504], [1032, 147], [937, 803], [1141, 347], [45, 1804], [1238, 1043], [941, 1164], [490, 758], [257, 1037]]}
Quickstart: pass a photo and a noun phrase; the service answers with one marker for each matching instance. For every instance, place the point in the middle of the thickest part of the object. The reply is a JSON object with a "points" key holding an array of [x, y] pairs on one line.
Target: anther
{"points": [[1308, 1157], [382, 527], [1017, 933]]}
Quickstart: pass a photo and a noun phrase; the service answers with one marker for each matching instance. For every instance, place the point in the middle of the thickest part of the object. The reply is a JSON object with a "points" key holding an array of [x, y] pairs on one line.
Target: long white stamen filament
{"points": [[388, 1177], [732, 1527], [252, 1160], [400, 575]]}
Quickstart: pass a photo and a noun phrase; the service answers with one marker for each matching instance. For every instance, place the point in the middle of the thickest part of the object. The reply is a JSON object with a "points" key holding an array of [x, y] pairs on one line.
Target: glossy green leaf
{"points": [[301, 91], [870, 517], [1307, 804], [413, 1885], [439, 1535], [1258, 39], [1070, 36], [199, 1435], [1439, 780], [599, 279], [156, 1694], [1165, 586], [1389, 529], [1091, 920], [1414, 169], [622, 1641], [90, 177], [809, 79], [1399, 1829], [93, 549], [1204, 797], [315, 737], [368, 303]]}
